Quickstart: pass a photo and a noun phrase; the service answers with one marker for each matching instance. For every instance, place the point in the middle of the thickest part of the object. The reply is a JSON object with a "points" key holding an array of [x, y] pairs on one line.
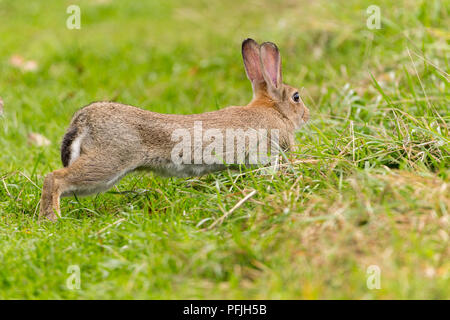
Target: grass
{"points": [[369, 184]]}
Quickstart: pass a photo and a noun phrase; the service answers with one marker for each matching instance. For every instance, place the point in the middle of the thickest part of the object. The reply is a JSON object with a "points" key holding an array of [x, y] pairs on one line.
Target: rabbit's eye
{"points": [[296, 97]]}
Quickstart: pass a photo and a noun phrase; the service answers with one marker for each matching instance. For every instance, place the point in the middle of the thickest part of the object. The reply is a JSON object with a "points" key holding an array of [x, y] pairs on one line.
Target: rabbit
{"points": [[107, 140]]}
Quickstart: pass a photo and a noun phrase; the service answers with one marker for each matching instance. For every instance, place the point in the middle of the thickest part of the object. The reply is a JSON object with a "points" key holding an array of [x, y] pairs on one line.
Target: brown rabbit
{"points": [[107, 140]]}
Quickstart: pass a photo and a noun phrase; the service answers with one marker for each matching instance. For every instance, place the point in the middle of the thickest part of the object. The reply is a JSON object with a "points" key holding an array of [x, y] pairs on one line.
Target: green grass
{"points": [[368, 186]]}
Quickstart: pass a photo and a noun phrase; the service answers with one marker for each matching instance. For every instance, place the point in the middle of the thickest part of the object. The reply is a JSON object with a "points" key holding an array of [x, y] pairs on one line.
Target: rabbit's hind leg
{"points": [[86, 175]]}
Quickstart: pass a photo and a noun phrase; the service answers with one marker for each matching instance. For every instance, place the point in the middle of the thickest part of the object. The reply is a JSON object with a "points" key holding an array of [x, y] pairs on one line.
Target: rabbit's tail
{"points": [[71, 145]]}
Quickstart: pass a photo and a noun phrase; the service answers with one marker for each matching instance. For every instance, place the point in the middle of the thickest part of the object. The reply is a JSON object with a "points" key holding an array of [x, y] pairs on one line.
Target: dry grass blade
{"points": [[237, 206], [110, 225]]}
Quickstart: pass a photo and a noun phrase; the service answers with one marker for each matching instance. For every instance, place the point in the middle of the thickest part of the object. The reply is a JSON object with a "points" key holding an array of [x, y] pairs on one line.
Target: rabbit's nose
{"points": [[305, 116]]}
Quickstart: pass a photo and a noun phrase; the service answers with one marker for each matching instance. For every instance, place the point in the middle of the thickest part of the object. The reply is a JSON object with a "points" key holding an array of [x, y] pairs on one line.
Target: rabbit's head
{"points": [[263, 67]]}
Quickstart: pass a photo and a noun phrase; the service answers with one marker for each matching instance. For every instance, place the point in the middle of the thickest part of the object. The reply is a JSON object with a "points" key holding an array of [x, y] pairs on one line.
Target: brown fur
{"points": [[115, 139]]}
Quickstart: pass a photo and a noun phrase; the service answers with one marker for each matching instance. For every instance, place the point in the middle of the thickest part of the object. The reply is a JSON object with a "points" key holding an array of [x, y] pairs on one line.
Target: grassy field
{"points": [[369, 185]]}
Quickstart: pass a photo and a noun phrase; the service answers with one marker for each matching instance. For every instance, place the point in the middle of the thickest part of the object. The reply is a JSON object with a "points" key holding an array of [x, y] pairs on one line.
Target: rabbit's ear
{"points": [[271, 65], [250, 54]]}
